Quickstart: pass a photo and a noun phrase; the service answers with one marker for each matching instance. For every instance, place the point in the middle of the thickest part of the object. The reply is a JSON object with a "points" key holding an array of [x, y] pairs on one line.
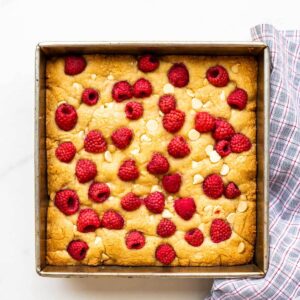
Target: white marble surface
{"points": [[22, 25]]}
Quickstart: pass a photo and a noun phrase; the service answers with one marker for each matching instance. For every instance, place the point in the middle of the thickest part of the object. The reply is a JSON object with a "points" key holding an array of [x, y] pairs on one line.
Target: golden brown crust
{"points": [[108, 246]]}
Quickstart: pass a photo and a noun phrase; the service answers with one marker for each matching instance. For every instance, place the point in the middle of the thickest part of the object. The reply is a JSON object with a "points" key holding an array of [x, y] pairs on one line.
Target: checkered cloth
{"points": [[283, 278]]}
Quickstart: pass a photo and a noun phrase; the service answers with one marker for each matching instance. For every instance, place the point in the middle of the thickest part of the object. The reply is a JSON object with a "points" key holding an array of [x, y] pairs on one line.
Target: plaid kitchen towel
{"points": [[283, 278]]}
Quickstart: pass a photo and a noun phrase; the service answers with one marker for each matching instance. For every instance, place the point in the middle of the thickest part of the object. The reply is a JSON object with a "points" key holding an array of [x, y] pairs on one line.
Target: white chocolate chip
{"points": [[167, 214], [152, 125], [209, 149], [230, 218], [196, 103], [145, 138], [208, 209], [77, 86], [155, 188], [98, 240], [151, 218], [93, 76], [168, 88], [81, 134], [190, 93], [170, 198], [207, 104], [195, 164], [193, 135], [241, 247], [225, 170], [222, 96], [242, 206], [214, 156], [107, 156], [110, 77], [109, 105], [235, 68], [161, 113], [104, 256], [197, 179], [135, 151]]}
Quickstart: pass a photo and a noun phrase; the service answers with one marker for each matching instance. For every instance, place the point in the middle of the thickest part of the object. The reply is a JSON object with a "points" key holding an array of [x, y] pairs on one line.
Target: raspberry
{"points": [[135, 240], [155, 202], [178, 147], [134, 110], [131, 202], [213, 186], [121, 91], [204, 122], [240, 143], [178, 75], [65, 152], [167, 103], [90, 96], [86, 170], [66, 117], [67, 201], [185, 208], [112, 220], [219, 231], [165, 254], [165, 228], [223, 130], [94, 142], [194, 237], [148, 63], [74, 64], [99, 191], [173, 121], [122, 137], [158, 164], [88, 220], [223, 148], [171, 183], [128, 170], [231, 191], [238, 99], [77, 249], [217, 76], [142, 88]]}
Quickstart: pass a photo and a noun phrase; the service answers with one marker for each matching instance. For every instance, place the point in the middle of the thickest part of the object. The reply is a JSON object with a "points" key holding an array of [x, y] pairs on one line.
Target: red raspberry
{"points": [[99, 191], [204, 122], [77, 249], [155, 202], [94, 142], [223, 130], [217, 76], [122, 137], [185, 208], [135, 240], [142, 88], [223, 148], [194, 237], [240, 143], [213, 186], [88, 220], [148, 63], [74, 64], [171, 183], [67, 201], [238, 99], [173, 121], [65, 152], [134, 110], [112, 220], [219, 231], [86, 170], [231, 191], [165, 253], [90, 96], [66, 117], [131, 202], [128, 170], [178, 147], [167, 103], [158, 164], [121, 91], [179, 75], [165, 228]]}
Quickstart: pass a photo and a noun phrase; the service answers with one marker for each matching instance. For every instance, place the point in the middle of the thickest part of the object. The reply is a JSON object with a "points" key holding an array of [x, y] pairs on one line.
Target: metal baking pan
{"points": [[260, 262]]}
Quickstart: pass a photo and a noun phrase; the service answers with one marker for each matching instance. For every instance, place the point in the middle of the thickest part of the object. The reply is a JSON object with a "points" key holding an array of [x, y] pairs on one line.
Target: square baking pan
{"points": [[259, 266]]}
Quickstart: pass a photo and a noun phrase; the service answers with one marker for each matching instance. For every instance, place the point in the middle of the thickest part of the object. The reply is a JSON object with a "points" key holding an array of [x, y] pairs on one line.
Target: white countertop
{"points": [[25, 23]]}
